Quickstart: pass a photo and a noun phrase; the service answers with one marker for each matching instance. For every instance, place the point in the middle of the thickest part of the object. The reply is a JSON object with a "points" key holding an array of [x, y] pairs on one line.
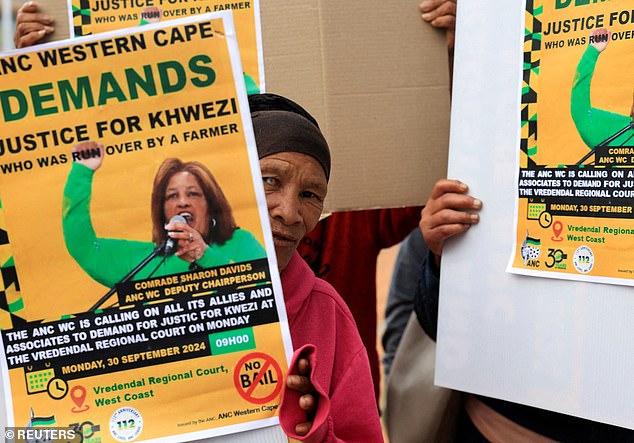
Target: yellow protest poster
{"points": [[89, 17], [140, 296], [575, 198]]}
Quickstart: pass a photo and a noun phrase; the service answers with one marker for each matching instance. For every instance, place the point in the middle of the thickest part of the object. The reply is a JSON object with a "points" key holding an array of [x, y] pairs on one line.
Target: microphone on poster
{"points": [[170, 244]]}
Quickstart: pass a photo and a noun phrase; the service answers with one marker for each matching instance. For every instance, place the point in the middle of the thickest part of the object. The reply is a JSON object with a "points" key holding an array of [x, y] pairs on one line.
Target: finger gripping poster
{"points": [[575, 183], [138, 301]]}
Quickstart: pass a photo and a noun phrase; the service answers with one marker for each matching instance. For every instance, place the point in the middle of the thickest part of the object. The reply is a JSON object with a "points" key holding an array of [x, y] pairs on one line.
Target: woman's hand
{"points": [[191, 244], [31, 25], [89, 154], [307, 402], [447, 214]]}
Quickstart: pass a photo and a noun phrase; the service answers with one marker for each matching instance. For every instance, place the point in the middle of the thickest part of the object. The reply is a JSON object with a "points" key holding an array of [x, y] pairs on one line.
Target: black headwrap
{"points": [[281, 125]]}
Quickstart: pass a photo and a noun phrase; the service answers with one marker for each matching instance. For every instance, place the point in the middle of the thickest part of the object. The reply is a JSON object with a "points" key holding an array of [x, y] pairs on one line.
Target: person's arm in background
{"points": [[400, 301], [448, 213], [31, 25]]}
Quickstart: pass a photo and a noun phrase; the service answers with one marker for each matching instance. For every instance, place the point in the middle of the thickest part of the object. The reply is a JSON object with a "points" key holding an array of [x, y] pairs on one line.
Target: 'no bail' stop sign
{"points": [[258, 378]]}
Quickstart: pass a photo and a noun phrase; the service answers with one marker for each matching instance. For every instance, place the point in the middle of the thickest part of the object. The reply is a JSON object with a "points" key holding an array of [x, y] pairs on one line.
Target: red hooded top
{"points": [[323, 330]]}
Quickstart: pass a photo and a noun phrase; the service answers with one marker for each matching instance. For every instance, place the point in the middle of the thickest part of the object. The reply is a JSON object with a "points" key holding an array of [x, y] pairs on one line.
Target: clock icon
{"points": [[545, 219], [57, 388]]}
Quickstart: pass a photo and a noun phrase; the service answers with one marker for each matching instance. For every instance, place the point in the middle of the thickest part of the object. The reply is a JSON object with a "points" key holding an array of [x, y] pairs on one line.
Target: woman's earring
{"points": [[213, 223]]}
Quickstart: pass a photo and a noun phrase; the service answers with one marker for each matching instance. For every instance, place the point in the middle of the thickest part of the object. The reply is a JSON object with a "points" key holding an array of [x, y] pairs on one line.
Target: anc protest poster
{"points": [[575, 207], [89, 17], [181, 348]]}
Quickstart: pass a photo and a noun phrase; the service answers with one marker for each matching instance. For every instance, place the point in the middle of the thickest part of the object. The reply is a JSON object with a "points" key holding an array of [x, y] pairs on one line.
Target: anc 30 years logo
{"points": [[556, 258]]}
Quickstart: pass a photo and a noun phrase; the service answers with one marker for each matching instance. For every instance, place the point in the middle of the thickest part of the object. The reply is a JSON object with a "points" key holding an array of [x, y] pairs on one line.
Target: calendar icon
{"points": [[535, 209], [37, 381]]}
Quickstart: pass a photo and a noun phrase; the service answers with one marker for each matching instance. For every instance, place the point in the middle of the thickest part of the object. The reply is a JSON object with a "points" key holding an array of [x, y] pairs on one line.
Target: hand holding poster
{"points": [[145, 295], [575, 216]]}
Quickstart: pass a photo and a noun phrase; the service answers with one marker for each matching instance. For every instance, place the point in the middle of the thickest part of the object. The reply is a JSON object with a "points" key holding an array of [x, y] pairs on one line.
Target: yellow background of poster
{"points": [[32, 199]]}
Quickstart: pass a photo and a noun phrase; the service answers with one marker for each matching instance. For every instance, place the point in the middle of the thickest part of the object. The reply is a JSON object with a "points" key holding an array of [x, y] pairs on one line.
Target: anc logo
{"points": [[531, 248]]}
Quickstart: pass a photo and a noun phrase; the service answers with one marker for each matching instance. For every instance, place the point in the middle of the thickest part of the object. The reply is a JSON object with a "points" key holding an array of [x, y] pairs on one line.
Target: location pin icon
{"points": [[557, 228], [78, 395]]}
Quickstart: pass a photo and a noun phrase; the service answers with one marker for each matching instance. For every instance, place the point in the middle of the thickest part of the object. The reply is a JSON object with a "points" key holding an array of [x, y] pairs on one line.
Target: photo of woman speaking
{"points": [[192, 223]]}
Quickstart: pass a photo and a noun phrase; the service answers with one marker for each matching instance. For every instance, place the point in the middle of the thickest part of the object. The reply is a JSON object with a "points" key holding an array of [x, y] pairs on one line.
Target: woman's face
{"points": [[295, 186], [185, 197]]}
